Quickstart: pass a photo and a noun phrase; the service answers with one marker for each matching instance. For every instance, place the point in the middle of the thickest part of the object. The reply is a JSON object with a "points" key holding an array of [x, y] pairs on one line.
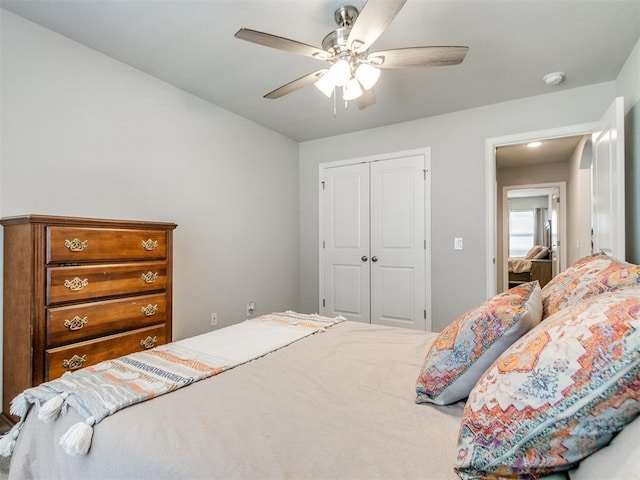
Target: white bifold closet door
{"points": [[374, 242]]}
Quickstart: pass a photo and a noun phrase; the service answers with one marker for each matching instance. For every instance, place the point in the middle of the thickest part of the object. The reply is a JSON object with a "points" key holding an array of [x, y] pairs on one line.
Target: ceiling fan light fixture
{"points": [[340, 72], [367, 75], [325, 84], [352, 90]]}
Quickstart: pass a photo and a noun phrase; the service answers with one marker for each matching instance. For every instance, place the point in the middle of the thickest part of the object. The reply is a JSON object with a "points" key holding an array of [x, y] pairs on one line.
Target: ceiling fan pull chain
{"points": [[335, 110]]}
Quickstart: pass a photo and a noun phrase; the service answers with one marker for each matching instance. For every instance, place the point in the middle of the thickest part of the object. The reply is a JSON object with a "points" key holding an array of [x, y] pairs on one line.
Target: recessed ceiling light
{"points": [[553, 78], [534, 144]]}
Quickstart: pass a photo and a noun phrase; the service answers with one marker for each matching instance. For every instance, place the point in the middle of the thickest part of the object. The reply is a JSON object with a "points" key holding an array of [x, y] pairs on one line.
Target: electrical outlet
{"points": [[214, 319], [251, 307], [457, 243]]}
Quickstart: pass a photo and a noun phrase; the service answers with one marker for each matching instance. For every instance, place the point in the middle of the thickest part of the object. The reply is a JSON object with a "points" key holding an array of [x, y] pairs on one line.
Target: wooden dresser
{"points": [[78, 291]]}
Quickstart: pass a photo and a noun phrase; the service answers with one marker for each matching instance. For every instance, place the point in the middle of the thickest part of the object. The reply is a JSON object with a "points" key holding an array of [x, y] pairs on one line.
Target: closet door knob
{"points": [[364, 258], [374, 259]]}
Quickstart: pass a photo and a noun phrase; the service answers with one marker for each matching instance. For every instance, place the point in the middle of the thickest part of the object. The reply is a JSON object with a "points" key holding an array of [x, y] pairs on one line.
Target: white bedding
{"points": [[339, 404], [519, 265]]}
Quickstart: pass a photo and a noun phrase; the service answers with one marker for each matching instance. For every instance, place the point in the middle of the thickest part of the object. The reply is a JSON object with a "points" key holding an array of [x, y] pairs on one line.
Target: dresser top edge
{"points": [[85, 222]]}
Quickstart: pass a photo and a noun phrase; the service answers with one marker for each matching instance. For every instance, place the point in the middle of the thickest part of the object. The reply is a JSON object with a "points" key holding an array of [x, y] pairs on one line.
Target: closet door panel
{"points": [[346, 242], [398, 242]]}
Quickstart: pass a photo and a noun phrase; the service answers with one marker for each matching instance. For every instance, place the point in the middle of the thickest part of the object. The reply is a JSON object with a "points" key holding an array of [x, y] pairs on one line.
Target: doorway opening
{"points": [[496, 257], [604, 157], [532, 220]]}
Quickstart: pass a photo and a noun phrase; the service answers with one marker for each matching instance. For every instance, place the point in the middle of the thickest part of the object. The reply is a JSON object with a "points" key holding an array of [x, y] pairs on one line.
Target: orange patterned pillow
{"points": [[558, 394], [467, 346], [587, 277]]}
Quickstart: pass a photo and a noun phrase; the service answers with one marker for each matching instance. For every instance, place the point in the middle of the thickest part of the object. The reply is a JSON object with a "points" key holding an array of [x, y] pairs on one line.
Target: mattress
{"points": [[337, 404]]}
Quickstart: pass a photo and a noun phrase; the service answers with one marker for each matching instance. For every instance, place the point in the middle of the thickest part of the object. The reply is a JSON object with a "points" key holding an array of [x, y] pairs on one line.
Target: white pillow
{"points": [[541, 254], [533, 251]]}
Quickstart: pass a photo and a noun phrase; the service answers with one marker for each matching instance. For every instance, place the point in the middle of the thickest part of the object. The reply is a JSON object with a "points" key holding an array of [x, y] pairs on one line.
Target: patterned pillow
{"points": [[466, 348], [587, 277], [558, 394]]}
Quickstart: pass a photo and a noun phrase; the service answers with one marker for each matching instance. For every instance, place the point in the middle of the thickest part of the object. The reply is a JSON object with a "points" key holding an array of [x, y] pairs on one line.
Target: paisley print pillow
{"points": [[466, 348], [558, 394], [587, 277]]}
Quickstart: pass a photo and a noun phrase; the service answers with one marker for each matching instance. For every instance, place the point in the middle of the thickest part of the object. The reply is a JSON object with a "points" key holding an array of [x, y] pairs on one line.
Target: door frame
{"points": [[491, 185], [562, 229], [426, 152]]}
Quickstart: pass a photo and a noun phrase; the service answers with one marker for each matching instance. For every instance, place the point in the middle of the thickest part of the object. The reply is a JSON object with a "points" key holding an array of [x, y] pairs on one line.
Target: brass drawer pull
{"points": [[149, 245], [75, 362], [149, 277], [76, 284], [149, 342], [149, 310], [76, 323], [76, 245]]}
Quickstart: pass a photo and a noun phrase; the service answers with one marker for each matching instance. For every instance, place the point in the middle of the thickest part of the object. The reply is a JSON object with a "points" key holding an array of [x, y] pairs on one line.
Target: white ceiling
{"points": [[512, 45]]}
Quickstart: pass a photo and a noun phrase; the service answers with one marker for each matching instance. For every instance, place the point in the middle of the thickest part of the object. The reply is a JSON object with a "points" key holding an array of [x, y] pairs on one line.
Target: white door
{"points": [[345, 239], [373, 246], [607, 183], [398, 242]]}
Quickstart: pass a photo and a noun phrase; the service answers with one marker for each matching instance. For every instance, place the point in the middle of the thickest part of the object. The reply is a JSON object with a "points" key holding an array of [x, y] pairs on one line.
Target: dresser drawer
{"points": [[89, 320], [78, 283], [72, 357], [76, 244]]}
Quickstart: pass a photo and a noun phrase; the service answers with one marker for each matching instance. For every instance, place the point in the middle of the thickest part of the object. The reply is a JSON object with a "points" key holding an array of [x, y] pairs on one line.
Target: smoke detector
{"points": [[554, 78]]}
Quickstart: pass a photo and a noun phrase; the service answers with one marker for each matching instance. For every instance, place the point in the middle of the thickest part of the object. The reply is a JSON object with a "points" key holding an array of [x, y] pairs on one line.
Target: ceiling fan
{"points": [[353, 67]]}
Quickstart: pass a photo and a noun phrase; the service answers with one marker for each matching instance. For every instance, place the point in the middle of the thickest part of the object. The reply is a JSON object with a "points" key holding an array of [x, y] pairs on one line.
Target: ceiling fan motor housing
{"points": [[346, 16], [336, 42]]}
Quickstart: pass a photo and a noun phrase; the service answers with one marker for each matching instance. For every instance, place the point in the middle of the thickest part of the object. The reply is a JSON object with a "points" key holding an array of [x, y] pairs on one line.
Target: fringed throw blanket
{"points": [[98, 391]]}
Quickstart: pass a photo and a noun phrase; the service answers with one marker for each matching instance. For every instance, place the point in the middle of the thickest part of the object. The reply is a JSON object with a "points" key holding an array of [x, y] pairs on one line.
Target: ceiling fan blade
{"points": [[296, 84], [365, 100], [418, 57], [281, 43], [375, 16]]}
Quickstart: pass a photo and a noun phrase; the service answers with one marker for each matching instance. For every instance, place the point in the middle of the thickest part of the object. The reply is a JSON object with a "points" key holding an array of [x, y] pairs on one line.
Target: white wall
{"points": [[628, 85], [85, 135], [578, 204], [457, 142], [628, 81]]}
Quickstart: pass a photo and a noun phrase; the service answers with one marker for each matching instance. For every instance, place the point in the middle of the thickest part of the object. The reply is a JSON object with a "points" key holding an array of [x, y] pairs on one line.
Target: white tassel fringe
{"points": [[50, 410], [19, 406], [77, 440], [8, 441]]}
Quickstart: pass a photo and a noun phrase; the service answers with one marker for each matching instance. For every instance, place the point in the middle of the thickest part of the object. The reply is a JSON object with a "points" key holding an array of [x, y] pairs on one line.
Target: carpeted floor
{"points": [[4, 461], [4, 468]]}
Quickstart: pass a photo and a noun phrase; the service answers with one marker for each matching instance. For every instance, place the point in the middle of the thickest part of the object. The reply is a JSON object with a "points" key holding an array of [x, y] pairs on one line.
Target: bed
{"points": [[341, 403], [535, 265]]}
